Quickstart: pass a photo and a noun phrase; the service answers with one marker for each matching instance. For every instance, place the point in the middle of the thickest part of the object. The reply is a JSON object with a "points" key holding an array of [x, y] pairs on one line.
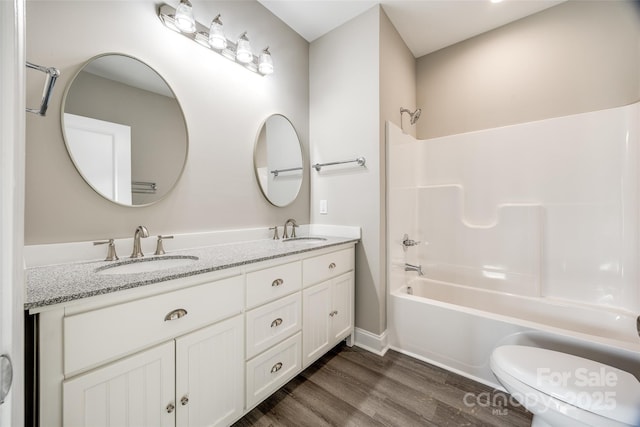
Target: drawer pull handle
{"points": [[277, 282], [170, 407], [332, 266], [175, 314], [276, 367], [333, 313], [276, 322], [184, 400]]}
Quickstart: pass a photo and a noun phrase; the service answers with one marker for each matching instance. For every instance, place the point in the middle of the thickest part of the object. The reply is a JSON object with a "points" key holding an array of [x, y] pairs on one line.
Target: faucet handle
{"points": [[159, 246], [406, 242], [275, 232], [111, 249]]}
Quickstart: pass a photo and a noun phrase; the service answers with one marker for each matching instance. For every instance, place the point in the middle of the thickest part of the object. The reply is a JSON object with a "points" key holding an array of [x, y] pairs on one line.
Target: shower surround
{"points": [[544, 213]]}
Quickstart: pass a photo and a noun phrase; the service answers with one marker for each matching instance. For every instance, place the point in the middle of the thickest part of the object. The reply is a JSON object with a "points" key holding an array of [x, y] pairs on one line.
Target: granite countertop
{"points": [[55, 284]]}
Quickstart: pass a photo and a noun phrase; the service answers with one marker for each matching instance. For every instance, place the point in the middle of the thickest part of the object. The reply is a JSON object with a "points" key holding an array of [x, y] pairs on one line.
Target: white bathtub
{"points": [[457, 327]]}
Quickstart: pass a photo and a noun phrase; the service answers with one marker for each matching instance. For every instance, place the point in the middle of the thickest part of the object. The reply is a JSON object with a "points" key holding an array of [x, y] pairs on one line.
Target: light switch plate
{"points": [[323, 207]]}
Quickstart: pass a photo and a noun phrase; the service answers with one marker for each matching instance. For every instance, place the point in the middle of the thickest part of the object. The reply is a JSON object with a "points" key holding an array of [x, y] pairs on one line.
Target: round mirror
{"points": [[124, 130], [277, 159]]}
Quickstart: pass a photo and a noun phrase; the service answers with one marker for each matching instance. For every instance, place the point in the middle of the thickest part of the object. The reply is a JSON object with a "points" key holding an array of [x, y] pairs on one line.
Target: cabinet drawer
{"points": [[100, 335], [272, 283], [273, 322], [321, 268], [272, 369]]}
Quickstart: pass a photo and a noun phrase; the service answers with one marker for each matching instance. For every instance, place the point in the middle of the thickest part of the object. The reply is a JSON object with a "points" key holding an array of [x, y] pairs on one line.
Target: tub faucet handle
{"points": [[406, 242]]}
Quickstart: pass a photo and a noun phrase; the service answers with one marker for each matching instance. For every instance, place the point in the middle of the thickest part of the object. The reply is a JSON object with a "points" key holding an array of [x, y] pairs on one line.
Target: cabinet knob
{"points": [[332, 266], [184, 400], [277, 282], [276, 367], [175, 314], [170, 407], [276, 322]]}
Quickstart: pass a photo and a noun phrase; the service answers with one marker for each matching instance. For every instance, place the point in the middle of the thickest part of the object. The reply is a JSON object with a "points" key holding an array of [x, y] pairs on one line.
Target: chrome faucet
{"points": [[411, 267], [291, 221], [141, 231]]}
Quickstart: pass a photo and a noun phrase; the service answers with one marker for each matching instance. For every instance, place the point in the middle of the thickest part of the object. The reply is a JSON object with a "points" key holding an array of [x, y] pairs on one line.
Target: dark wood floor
{"points": [[352, 387]]}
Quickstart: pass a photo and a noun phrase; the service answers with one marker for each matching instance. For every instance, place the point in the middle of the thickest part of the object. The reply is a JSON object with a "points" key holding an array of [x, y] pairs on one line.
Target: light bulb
{"points": [[184, 17], [265, 63], [243, 50], [217, 39]]}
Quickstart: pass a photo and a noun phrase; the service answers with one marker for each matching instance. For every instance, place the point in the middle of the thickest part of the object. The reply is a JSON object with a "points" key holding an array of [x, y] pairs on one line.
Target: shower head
{"points": [[413, 117]]}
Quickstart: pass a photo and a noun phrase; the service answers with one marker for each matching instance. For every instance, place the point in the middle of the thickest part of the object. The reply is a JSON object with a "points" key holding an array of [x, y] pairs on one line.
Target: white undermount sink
{"points": [[305, 239], [148, 265]]}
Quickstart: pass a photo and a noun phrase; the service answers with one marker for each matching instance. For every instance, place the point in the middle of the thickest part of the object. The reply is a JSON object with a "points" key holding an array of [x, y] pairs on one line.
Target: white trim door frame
{"points": [[12, 167]]}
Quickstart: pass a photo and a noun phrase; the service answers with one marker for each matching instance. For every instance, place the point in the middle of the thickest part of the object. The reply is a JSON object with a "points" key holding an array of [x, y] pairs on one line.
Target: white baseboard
{"points": [[377, 344]]}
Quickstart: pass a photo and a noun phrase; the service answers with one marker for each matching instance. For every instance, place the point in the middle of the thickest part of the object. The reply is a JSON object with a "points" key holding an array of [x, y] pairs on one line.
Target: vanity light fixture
{"points": [[265, 62], [214, 38], [184, 20], [217, 39], [243, 49]]}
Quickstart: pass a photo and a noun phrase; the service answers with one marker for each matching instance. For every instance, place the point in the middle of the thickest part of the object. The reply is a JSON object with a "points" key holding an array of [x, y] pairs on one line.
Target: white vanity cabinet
{"points": [[201, 350], [328, 306]]}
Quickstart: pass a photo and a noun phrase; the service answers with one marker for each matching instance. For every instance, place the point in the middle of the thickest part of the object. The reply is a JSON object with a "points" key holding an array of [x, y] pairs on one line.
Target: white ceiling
{"points": [[424, 25]]}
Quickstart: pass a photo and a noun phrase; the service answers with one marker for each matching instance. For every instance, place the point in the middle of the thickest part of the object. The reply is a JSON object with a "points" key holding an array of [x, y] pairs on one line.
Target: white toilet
{"points": [[562, 390]]}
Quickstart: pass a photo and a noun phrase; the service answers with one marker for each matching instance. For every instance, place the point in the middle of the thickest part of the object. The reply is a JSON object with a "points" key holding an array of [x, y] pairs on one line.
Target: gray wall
{"points": [[576, 57], [224, 106], [360, 75], [344, 118]]}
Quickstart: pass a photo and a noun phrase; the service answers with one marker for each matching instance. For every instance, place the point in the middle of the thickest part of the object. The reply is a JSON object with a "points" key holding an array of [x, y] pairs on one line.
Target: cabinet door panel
{"points": [[316, 325], [342, 305], [209, 375], [132, 391]]}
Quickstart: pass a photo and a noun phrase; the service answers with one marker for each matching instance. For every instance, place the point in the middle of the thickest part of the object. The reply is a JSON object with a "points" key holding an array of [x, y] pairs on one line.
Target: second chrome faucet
{"points": [[291, 221], [141, 231]]}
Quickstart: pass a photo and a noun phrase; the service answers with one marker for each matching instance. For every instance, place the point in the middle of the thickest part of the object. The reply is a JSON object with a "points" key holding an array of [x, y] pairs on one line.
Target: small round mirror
{"points": [[277, 160], [124, 130]]}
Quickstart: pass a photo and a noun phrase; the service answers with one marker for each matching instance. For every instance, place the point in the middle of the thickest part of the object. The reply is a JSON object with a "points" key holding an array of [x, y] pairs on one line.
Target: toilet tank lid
{"points": [[584, 383]]}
